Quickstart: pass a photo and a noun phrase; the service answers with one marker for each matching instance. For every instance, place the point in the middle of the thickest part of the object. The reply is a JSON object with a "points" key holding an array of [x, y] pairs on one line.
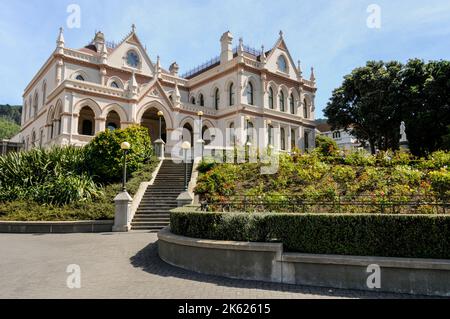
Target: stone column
{"points": [[122, 212]]}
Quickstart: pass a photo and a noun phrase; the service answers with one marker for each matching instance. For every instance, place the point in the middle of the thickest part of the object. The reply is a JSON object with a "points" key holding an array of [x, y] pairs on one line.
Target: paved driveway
{"points": [[122, 265]]}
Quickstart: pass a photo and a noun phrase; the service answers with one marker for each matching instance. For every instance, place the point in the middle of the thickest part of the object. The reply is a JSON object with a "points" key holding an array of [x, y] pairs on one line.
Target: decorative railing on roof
{"points": [[201, 67], [111, 44], [216, 60]]}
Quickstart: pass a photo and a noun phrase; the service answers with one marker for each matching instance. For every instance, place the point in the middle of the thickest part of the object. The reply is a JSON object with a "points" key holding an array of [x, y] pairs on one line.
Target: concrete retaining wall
{"points": [[57, 227], [268, 262]]}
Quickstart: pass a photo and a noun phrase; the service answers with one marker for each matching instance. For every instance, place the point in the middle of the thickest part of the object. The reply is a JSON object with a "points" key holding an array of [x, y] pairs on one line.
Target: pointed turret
{"points": [[299, 68], [60, 41], [241, 47], [312, 78], [133, 86], [263, 54], [104, 54], [176, 96], [158, 66]]}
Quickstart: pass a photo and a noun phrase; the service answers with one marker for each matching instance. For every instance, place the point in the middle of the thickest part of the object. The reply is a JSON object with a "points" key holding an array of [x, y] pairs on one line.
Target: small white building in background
{"points": [[344, 140], [80, 92]]}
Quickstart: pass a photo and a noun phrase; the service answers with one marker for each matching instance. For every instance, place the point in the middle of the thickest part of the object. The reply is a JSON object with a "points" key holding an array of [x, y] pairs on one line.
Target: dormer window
{"points": [[133, 59], [282, 64], [79, 77]]}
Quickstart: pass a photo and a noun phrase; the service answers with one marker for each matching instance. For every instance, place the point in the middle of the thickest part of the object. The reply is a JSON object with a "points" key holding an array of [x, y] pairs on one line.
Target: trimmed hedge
{"points": [[412, 236]]}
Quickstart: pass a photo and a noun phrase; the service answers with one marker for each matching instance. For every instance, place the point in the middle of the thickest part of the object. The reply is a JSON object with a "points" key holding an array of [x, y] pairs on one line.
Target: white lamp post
{"points": [[185, 146], [201, 141], [159, 143], [125, 147]]}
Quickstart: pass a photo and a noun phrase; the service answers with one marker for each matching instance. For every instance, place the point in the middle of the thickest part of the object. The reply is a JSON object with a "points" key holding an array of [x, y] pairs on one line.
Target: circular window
{"points": [[115, 85], [132, 59]]}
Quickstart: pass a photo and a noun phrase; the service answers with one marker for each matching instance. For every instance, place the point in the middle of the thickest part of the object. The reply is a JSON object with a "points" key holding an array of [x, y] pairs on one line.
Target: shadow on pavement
{"points": [[148, 260]]}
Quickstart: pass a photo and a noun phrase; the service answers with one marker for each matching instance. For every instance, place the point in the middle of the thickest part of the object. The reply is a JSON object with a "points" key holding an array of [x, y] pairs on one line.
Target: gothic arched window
{"points": [[282, 109], [270, 98], [231, 95], [202, 100], [292, 104], [216, 99], [250, 93]]}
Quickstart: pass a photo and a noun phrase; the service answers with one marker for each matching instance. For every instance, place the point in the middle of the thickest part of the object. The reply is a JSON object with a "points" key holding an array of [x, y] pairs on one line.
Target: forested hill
{"points": [[11, 112]]}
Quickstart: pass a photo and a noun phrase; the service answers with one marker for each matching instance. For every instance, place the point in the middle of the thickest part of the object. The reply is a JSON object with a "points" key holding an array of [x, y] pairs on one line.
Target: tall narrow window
{"points": [[306, 137], [36, 103], [293, 139], [44, 94], [231, 97], [270, 98], [283, 138], [232, 134], [282, 109], [250, 128], [216, 99], [192, 100], [270, 135], [202, 100], [292, 104], [305, 109], [250, 93]]}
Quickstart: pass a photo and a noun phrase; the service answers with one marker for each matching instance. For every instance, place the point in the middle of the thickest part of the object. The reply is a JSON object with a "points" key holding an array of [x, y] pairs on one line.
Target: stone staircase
{"points": [[161, 197]]}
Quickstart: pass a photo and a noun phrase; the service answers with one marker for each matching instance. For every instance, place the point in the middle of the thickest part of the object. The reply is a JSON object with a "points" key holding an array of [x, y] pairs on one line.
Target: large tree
{"points": [[425, 97], [367, 105]]}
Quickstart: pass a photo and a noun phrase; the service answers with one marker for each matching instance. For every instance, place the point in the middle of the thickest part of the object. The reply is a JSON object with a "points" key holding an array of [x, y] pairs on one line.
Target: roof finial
{"points": [[281, 33], [60, 41], [312, 77], [263, 54], [61, 36], [299, 68], [133, 28], [241, 45]]}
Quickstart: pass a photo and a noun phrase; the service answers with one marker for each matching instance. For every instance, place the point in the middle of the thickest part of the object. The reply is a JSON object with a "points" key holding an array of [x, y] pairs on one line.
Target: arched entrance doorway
{"points": [[188, 133], [150, 120], [112, 121], [86, 121]]}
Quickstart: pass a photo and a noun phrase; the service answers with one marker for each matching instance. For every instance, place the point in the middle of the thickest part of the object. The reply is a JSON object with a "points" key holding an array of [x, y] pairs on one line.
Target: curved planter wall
{"points": [[268, 262]]}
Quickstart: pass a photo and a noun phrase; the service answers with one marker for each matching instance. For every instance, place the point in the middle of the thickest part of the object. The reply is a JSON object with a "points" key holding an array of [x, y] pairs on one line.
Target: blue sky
{"points": [[331, 35]]}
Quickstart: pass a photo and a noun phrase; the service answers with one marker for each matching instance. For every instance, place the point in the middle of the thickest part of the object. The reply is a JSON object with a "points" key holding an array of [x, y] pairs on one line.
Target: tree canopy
{"points": [[373, 100]]}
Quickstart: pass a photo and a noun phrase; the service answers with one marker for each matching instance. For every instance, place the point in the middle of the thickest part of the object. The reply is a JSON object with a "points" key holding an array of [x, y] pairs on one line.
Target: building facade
{"points": [[246, 96]]}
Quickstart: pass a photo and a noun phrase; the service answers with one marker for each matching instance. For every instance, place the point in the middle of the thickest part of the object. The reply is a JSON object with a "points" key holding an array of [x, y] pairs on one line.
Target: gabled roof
{"points": [[281, 44]]}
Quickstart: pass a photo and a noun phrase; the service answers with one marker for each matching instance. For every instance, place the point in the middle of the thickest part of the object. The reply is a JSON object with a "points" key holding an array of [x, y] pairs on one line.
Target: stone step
{"points": [[139, 225], [146, 228], [151, 219], [152, 215]]}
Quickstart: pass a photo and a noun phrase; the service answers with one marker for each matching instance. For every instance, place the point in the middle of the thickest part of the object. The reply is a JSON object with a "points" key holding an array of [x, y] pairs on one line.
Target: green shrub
{"points": [[105, 157], [54, 176], [440, 182], [413, 236], [360, 158], [326, 146]]}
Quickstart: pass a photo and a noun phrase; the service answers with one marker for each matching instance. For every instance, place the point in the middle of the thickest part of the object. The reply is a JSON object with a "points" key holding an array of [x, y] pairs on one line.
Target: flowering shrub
{"points": [[313, 177]]}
